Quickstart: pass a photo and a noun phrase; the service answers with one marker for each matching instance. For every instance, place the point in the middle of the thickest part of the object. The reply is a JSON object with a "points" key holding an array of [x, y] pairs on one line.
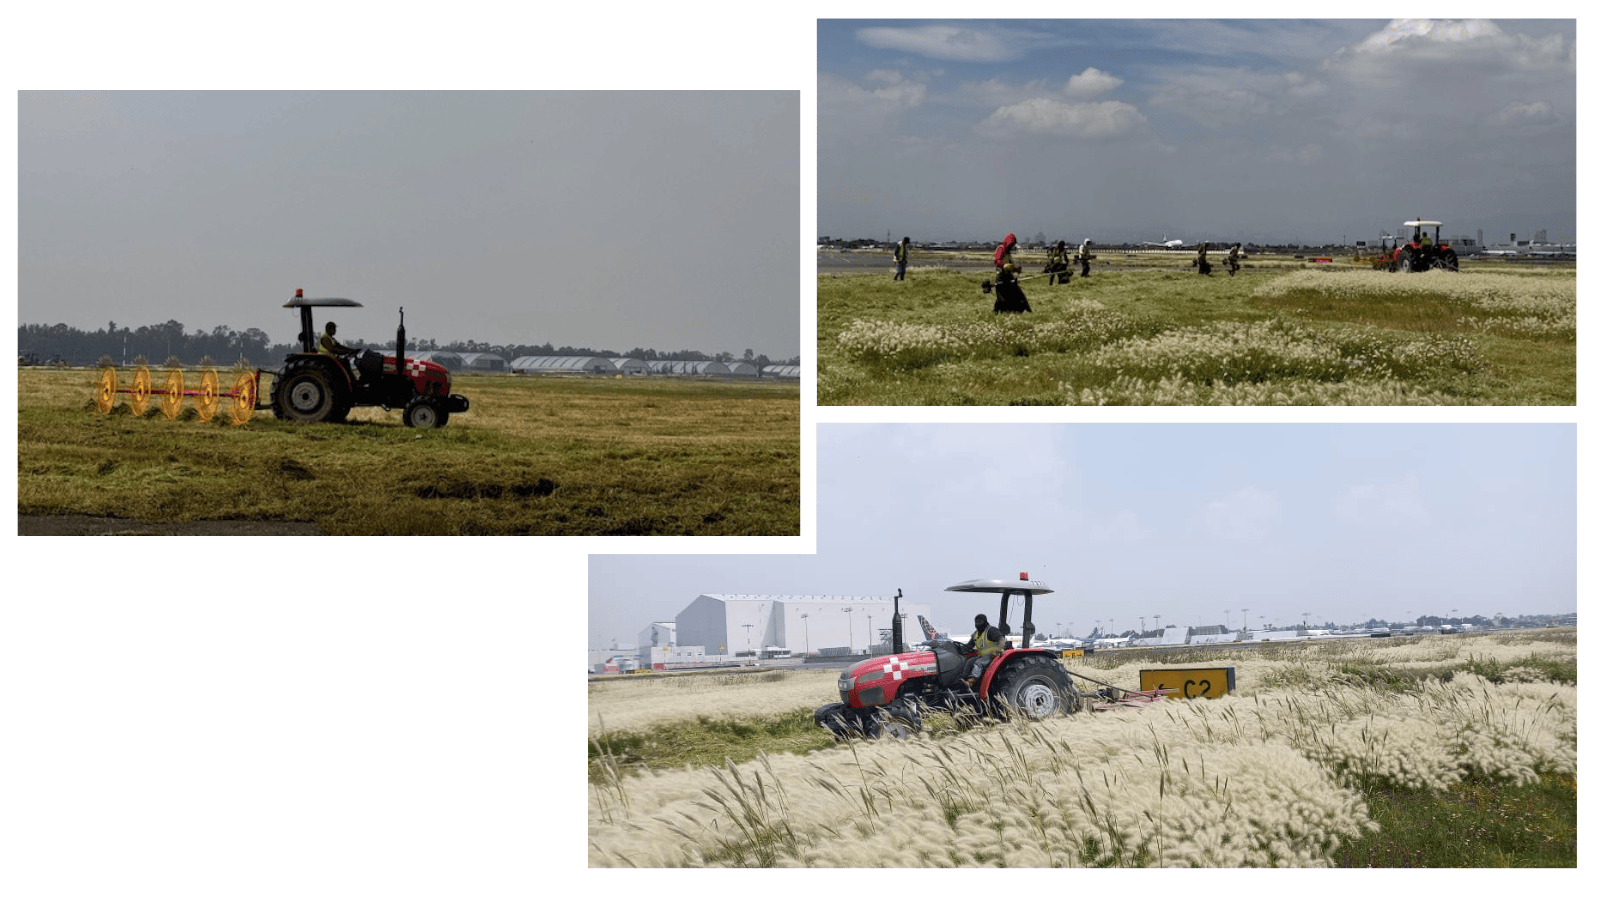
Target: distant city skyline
{"points": [[1263, 130]]}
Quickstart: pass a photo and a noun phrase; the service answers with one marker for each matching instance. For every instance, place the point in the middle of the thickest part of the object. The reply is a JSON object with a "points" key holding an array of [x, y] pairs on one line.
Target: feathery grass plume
{"points": [[1268, 776]]}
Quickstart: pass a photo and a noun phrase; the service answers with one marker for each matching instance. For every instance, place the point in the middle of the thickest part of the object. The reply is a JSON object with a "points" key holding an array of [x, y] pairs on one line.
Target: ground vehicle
{"points": [[318, 387], [1418, 255], [887, 694]]}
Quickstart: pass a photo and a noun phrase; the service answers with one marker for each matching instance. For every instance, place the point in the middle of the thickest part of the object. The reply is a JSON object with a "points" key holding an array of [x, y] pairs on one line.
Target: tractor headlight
{"points": [[846, 683]]}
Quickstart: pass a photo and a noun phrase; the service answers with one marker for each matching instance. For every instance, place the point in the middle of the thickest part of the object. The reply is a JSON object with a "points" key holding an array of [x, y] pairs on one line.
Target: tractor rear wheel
{"points": [[1410, 261], [1035, 688], [305, 395]]}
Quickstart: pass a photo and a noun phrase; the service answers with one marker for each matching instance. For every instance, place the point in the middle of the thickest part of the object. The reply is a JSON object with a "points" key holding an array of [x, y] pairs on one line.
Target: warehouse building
{"points": [[556, 365], [450, 361], [743, 624], [483, 362], [780, 372]]}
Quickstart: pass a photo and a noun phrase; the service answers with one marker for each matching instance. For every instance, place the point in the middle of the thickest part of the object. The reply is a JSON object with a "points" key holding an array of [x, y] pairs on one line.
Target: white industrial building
{"points": [[743, 369], [444, 358], [627, 365], [550, 365], [781, 372], [483, 362], [743, 624], [688, 367], [659, 634]]}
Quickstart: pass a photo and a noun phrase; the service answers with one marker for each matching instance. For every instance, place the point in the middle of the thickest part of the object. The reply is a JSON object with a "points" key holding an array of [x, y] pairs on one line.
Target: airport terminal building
{"points": [[745, 624]]}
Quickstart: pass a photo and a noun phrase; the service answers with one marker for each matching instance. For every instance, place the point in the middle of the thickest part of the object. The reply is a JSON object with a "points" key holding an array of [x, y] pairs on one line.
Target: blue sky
{"points": [[1346, 522], [611, 220], [1265, 130]]}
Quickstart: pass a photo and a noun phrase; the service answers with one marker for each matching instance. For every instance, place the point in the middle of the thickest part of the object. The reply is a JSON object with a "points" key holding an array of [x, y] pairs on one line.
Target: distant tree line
{"points": [[157, 343]]}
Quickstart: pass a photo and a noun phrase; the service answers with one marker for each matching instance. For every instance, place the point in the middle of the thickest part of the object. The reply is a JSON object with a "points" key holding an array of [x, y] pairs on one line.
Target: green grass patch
{"points": [[705, 741], [1478, 824], [1145, 335], [533, 456]]}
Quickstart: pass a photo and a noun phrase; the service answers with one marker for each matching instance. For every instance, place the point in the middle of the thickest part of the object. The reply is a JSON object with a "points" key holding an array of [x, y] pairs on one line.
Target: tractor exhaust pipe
{"points": [[400, 345], [894, 627]]}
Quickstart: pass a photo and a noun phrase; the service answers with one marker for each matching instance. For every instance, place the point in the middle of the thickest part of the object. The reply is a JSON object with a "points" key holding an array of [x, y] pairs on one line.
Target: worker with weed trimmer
{"points": [[1008, 296]]}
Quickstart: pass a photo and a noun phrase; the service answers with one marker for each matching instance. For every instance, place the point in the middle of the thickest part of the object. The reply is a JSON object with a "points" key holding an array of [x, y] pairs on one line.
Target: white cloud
{"points": [[1042, 115], [1539, 112], [953, 42], [1091, 82], [1219, 97], [1247, 514], [1409, 48], [1386, 507]]}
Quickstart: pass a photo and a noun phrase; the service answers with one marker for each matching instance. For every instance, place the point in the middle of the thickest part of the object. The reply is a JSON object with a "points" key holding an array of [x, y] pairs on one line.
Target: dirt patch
{"points": [[104, 525]]}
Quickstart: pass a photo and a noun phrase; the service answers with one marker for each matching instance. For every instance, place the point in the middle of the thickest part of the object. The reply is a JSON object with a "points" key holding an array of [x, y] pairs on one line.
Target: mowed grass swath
{"points": [[1137, 334], [1340, 753], [557, 455]]}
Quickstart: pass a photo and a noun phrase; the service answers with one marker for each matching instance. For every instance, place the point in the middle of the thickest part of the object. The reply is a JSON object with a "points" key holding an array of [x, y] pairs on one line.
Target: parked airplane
{"points": [[1109, 643], [930, 633]]}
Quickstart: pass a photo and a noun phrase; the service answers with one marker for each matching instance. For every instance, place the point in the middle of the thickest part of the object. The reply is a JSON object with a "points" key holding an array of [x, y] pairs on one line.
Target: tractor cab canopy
{"points": [[1421, 226], [1006, 587], [303, 303]]}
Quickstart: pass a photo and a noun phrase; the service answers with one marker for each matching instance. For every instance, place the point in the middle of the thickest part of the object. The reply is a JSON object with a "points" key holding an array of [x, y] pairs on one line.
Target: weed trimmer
{"points": [[988, 286]]}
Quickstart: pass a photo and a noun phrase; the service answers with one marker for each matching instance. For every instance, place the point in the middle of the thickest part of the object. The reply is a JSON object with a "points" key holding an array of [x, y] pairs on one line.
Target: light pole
{"points": [[747, 628], [870, 633], [1227, 621], [1247, 618], [803, 618], [852, 623]]}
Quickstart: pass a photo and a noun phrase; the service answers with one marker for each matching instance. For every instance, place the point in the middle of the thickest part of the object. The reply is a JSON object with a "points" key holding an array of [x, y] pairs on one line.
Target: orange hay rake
{"points": [[208, 397]]}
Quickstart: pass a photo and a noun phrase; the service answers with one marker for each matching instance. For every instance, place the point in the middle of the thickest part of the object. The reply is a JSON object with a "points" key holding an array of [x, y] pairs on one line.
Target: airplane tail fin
{"points": [[927, 628]]}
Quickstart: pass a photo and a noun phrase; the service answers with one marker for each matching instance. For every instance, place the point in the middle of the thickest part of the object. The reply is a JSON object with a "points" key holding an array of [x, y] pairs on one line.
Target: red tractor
{"points": [[320, 387], [1421, 253], [887, 695]]}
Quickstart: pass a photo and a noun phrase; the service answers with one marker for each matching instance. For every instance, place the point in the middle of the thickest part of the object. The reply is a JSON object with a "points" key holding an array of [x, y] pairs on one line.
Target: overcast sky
{"points": [[1346, 522], [609, 220], [1264, 130]]}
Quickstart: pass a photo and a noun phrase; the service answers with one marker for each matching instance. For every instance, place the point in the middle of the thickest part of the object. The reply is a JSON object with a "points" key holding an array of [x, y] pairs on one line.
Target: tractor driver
{"points": [[330, 345], [985, 645]]}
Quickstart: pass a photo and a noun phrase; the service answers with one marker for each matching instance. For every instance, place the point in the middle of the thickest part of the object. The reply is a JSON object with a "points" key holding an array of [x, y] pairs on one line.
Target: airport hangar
{"points": [[742, 624]]}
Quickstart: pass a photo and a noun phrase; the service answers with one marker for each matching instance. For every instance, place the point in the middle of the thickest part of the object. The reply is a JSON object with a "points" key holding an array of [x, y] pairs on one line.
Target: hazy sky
{"points": [[1269, 130], [1346, 522], [610, 220]]}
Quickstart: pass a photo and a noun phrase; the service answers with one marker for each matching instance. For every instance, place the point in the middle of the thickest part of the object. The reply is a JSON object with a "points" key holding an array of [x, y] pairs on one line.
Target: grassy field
{"points": [[1146, 331], [559, 456], [1440, 751]]}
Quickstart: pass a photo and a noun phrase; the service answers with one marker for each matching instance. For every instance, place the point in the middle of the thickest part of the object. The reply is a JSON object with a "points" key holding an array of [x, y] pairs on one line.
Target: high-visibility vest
{"points": [[324, 344], [982, 645]]}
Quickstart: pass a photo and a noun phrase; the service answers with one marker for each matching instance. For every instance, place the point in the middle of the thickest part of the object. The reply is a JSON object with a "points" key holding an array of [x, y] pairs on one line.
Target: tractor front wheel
{"points": [[899, 720], [421, 413]]}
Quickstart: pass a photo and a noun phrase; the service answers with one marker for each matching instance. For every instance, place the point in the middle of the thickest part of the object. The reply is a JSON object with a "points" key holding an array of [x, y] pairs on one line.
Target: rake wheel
{"points": [[172, 399], [105, 390], [139, 397], [207, 401], [244, 398]]}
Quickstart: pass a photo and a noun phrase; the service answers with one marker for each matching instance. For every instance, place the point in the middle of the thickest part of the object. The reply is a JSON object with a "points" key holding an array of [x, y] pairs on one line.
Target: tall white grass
{"points": [[1265, 777]]}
